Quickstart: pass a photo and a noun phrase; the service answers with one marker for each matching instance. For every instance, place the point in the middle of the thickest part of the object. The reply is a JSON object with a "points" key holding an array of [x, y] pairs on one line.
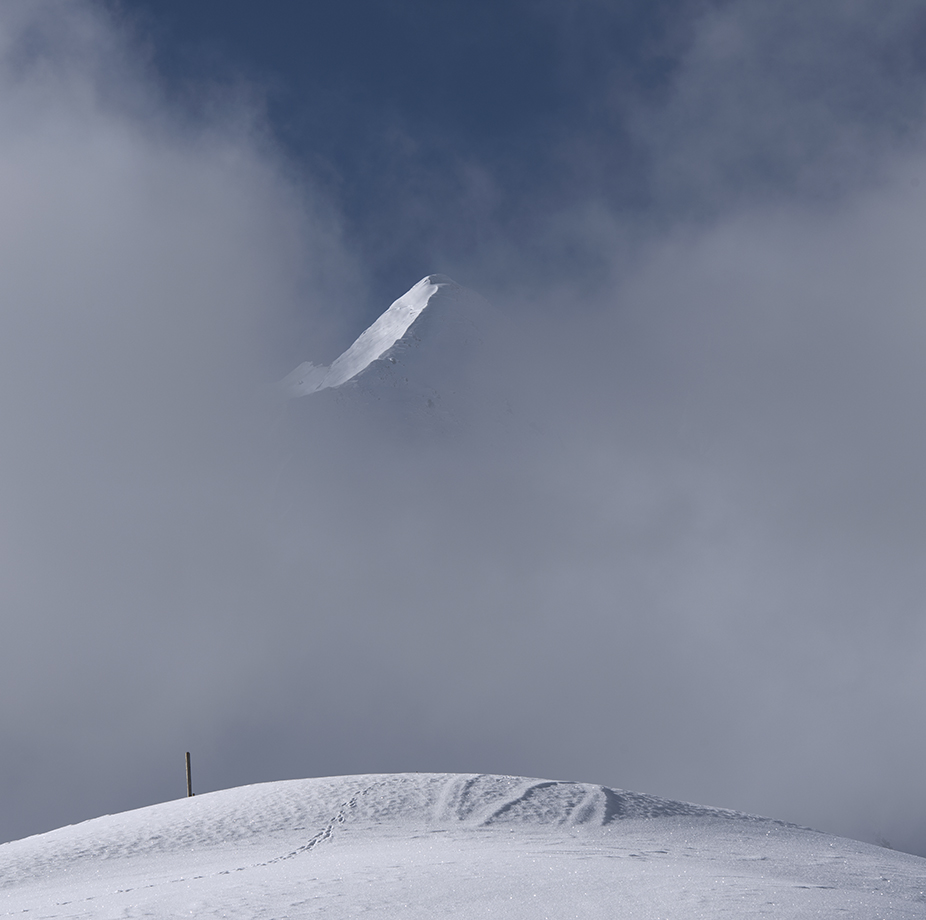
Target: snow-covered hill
{"points": [[435, 845]]}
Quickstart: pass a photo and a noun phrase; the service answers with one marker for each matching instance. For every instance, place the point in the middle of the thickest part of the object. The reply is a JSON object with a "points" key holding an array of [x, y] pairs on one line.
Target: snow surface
{"points": [[432, 366], [435, 845], [372, 344]]}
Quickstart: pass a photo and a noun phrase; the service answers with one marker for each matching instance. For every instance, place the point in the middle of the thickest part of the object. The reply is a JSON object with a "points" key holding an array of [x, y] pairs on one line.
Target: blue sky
{"points": [[544, 105], [389, 105], [692, 563]]}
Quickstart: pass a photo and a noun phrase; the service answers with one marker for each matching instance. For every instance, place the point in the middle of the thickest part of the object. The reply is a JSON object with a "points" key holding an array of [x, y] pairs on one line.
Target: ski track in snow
{"points": [[474, 845]]}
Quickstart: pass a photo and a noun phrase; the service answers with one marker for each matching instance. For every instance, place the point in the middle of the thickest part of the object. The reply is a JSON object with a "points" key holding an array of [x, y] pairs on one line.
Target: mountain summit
{"points": [[427, 366], [396, 332]]}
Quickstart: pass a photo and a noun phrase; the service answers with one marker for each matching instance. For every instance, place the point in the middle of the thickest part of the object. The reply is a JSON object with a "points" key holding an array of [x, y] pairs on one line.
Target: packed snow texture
{"points": [[429, 845], [373, 343]]}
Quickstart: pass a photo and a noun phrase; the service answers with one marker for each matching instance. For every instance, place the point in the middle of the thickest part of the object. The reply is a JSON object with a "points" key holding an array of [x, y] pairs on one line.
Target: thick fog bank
{"points": [[664, 533]]}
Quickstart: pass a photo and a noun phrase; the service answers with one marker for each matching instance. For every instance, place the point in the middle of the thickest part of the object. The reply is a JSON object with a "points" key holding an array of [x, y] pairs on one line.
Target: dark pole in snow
{"points": [[189, 776]]}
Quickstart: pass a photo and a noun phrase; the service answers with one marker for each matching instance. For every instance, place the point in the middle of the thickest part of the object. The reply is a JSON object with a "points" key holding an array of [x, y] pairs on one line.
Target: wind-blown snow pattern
{"points": [[372, 344], [435, 845]]}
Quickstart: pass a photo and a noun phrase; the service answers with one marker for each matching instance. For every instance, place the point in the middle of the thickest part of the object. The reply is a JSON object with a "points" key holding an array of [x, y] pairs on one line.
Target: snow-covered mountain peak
{"points": [[373, 343]]}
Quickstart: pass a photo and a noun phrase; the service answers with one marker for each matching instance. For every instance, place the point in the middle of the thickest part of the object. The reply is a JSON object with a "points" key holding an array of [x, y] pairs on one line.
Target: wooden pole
{"points": [[189, 776]]}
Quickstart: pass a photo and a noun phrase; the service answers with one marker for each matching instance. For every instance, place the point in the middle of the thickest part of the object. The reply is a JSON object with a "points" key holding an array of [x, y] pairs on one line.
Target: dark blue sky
{"points": [[443, 129], [391, 104]]}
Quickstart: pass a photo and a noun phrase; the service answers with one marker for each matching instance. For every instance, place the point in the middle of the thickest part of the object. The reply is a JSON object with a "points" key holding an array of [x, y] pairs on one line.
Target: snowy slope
{"points": [[429, 365], [429, 845], [374, 343]]}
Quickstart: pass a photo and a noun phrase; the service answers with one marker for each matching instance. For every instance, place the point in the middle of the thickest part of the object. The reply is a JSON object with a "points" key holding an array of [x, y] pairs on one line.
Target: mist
{"points": [[684, 557]]}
